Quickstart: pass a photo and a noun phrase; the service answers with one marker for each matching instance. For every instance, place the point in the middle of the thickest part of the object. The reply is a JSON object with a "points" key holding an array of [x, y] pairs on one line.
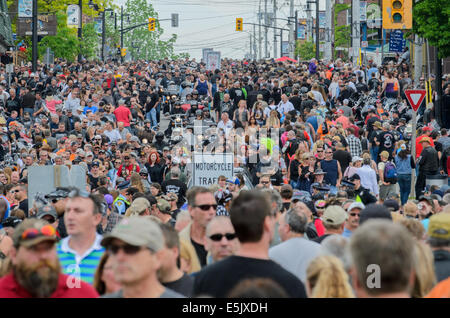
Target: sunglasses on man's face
{"points": [[206, 207], [15, 191], [128, 249], [354, 214], [126, 158], [218, 237]]}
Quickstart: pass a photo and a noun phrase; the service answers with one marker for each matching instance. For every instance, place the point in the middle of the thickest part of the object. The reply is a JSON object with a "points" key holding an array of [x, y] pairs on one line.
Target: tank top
{"points": [[202, 88], [389, 87], [331, 168]]}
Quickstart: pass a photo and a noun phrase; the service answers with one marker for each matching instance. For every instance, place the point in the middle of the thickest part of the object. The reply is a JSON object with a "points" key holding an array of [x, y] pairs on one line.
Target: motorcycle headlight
{"points": [[178, 119]]}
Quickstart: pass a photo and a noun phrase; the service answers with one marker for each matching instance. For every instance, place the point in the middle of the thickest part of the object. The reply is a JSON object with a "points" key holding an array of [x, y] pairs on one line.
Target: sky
{"points": [[211, 24]]}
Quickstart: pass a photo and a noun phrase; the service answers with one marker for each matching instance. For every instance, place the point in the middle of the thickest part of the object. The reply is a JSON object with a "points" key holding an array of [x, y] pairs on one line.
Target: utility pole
{"points": [[356, 30], [254, 42], [259, 37], [103, 35], [274, 30], [121, 33], [418, 59], [308, 22], [328, 40], [34, 36], [296, 35], [80, 27], [291, 30], [266, 22], [438, 100], [317, 31]]}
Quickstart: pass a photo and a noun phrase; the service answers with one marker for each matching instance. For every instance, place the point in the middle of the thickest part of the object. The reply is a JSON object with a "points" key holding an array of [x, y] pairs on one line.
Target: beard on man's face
{"points": [[40, 279]]}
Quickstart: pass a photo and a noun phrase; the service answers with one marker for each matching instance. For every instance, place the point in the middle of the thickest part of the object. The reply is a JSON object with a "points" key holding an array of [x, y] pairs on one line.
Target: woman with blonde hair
{"points": [[425, 277], [273, 121], [135, 181], [326, 278]]}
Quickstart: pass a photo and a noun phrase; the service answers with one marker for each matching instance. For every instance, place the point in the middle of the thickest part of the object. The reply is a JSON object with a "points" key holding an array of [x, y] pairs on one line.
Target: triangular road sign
{"points": [[415, 97]]}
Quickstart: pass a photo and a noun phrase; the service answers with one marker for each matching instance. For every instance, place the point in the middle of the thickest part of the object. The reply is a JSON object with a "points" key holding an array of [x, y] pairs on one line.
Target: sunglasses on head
{"points": [[32, 233], [206, 207], [128, 249], [218, 237]]}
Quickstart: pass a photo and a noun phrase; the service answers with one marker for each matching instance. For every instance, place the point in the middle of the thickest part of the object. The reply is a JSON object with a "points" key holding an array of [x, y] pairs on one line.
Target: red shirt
{"points": [[419, 146], [9, 288], [129, 168], [356, 128], [122, 114]]}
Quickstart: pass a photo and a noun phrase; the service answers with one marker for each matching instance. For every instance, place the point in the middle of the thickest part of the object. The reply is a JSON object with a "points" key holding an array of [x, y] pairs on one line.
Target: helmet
{"points": [[223, 196], [159, 135], [147, 121], [198, 112]]}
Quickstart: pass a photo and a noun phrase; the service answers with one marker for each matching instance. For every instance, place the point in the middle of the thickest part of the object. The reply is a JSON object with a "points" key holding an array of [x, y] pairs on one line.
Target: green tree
{"points": [[142, 43], [431, 20], [64, 44], [307, 50], [341, 32]]}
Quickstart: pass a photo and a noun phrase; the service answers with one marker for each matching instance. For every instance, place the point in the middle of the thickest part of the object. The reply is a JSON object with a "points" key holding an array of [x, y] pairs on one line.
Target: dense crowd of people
{"points": [[323, 203]]}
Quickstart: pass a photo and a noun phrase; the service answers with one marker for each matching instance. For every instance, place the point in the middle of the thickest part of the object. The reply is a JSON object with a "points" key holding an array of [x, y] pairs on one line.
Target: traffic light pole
{"points": [[34, 36], [121, 33]]}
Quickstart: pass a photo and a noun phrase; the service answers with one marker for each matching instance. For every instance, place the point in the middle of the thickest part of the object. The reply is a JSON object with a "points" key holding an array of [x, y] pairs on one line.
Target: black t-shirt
{"points": [[23, 205], [387, 141], [177, 187], [276, 95], [296, 101], [320, 238], [370, 123], [218, 279], [184, 285], [344, 158], [93, 181], [201, 252]]}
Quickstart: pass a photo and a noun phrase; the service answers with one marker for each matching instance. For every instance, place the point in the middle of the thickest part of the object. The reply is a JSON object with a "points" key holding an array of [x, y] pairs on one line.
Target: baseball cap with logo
{"points": [[163, 206], [33, 231], [334, 215], [137, 231], [439, 226], [139, 205]]}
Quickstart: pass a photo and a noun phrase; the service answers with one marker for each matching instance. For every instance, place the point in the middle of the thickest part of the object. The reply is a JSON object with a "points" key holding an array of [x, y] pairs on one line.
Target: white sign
{"points": [[25, 8], [73, 16], [208, 167], [204, 51], [212, 61], [363, 10]]}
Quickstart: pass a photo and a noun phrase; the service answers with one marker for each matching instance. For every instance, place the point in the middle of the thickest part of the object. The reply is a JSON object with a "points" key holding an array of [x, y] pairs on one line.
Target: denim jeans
{"points": [[374, 153], [404, 182], [151, 115]]}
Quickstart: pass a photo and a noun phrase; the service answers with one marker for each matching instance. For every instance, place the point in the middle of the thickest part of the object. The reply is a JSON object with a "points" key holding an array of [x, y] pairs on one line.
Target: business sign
{"points": [[25, 8], [322, 19], [301, 32], [397, 42], [204, 51], [73, 16], [46, 25], [363, 10], [208, 167], [212, 60], [285, 48], [98, 25]]}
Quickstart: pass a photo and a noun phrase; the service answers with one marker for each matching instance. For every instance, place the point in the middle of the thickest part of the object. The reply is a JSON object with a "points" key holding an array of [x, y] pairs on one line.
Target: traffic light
{"points": [[397, 14], [124, 51], [239, 24], [174, 20], [151, 24]]}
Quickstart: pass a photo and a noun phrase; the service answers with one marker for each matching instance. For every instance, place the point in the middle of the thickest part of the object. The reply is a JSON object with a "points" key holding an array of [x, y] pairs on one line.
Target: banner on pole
{"points": [[73, 16], [212, 60], [25, 8]]}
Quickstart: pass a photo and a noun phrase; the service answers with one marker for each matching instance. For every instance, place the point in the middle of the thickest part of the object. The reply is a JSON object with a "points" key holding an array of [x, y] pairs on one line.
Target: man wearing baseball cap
{"points": [[135, 246], [333, 220], [428, 163], [439, 241], [426, 132], [36, 271]]}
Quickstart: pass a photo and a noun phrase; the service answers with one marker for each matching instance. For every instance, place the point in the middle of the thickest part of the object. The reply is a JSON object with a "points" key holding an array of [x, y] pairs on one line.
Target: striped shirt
{"points": [[80, 266]]}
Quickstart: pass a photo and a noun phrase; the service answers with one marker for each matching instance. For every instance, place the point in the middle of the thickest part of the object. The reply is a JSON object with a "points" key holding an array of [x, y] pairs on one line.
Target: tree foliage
{"points": [[142, 43], [341, 32], [431, 20], [306, 50]]}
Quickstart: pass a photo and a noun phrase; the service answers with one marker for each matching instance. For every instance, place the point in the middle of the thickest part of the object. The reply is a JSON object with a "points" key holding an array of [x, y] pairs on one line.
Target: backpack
{"points": [[390, 173]]}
